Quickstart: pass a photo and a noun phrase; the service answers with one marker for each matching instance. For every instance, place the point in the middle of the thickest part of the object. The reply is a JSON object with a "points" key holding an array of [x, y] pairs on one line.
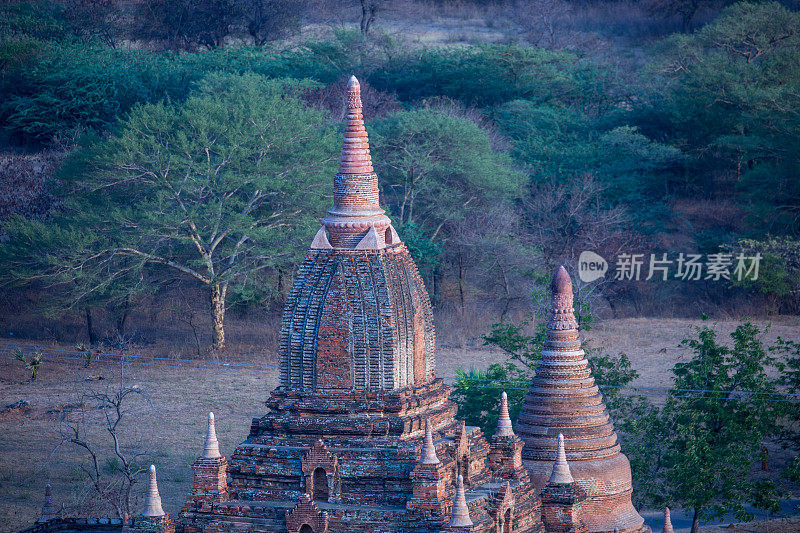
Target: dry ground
{"points": [[784, 525], [168, 422]]}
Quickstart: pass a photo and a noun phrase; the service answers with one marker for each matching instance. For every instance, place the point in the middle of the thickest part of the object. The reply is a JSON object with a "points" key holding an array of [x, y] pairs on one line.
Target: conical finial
{"points": [[561, 474], [562, 283], [562, 314], [428, 449], [504, 427], [211, 448], [460, 516], [356, 220], [48, 509], [152, 504], [355, 152], [667, 522]]}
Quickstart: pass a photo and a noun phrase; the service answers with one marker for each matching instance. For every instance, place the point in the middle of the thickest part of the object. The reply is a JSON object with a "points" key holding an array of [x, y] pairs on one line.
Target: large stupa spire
{"points": [[564, 399], [358, 316], [356, 220]]}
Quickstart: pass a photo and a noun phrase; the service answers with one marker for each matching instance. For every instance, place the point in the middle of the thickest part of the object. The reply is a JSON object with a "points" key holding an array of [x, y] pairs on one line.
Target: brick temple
{"points": [[361, 436]]}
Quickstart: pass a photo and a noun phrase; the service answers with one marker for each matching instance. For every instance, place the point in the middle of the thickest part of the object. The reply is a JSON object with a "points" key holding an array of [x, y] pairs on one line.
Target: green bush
{"points": [[66, 89], [482, 75]]}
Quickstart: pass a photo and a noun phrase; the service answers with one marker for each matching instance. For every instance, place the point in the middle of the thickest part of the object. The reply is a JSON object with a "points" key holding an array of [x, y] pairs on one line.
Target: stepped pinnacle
{"points": [[667, 522], [504, 427], [562, 314], [561, 474], [48, 509], [428, 449], [211, 448], [355, 151], [356, 219], [152, 503], [460, 516]]}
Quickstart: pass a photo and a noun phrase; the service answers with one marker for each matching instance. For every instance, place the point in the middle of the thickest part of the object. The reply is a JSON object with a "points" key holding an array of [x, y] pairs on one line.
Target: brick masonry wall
{"points": [[357, 319]]}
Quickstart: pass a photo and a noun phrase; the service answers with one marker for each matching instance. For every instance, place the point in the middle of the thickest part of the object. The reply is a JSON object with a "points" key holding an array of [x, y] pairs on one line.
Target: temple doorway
{"points": [[507, 521], [306, 529], [320, 485]]}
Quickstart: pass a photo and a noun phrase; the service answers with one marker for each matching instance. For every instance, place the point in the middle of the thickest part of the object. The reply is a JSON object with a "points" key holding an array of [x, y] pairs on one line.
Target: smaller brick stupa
{"points": [[48, 509], [564, 399]]}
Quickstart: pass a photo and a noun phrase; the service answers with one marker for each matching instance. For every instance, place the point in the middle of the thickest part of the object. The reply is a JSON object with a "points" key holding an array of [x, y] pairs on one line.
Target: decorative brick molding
{"points": [[319, 456], [210, 484], [306, 513], [502, 509], [505, 457], [562, 508]]}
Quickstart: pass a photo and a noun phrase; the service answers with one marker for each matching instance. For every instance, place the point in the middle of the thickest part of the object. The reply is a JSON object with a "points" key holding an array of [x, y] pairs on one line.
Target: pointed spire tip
{"points": [[152, 503], [561, 474], [504, 426], [562, 282], [429, 456], [211, 446], [667, 522], [460, 514]]}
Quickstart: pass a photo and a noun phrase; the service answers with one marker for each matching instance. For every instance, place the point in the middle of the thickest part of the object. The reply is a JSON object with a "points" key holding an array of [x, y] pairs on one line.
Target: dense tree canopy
{"points": [[221, 189]]}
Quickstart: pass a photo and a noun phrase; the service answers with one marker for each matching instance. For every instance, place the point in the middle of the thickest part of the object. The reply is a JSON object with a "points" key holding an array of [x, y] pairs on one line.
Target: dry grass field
{"points": [[167, 421]]}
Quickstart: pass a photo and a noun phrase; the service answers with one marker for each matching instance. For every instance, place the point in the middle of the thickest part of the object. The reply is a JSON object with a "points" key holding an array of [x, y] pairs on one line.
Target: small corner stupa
{"points": [[153, 518], [564, 399], [360, 435]]}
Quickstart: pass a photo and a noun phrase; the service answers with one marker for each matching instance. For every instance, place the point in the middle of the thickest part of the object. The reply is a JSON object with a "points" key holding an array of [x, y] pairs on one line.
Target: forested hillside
{"points": [[150, 157]]}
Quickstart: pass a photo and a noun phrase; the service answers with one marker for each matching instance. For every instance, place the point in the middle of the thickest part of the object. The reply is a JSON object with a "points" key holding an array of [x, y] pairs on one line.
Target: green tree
{"points": [[789, 352], [477, 394], [732, 91], [436, 168], [223, 189], [487, 75], [628, 166], [710, 431]]}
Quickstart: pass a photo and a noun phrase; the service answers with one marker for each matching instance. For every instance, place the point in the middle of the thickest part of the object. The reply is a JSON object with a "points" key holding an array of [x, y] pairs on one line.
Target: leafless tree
{"points": [[186, 24], [539, 19], [112, 477], [333, 98], [565, 219], [268, 20], [492, 252]]}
